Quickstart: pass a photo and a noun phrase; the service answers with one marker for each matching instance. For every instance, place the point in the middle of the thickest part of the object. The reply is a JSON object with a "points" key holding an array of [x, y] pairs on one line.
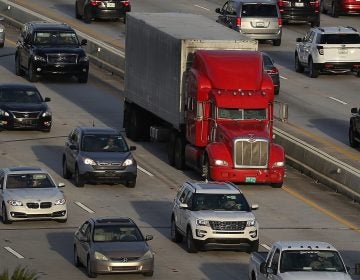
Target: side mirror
{"points": [[183, 206], [218, 10], [83, 239], [254, 206], [132, 148], [83, 42], [61, 185], [263, 267], [269, 270], [47, 99], [354, 110], [299, 40], [73, 147], [149, 237]]}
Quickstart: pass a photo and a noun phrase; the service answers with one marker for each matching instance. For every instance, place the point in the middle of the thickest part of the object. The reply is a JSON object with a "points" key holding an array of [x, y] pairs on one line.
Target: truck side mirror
{"points": [[269, 270], [218, 11], [298, 40]]}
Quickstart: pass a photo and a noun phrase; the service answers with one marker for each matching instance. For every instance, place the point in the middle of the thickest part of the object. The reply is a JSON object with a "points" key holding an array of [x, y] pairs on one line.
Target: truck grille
{"points": [[62, 58], [251, 153], [228, 226]]}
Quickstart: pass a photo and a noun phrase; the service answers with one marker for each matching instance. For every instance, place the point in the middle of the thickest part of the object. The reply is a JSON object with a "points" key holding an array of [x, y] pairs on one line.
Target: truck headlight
{"points": [[100, 257], [39, 58], [128, 162], [46, 114], [4, 113], [15, 202], [279, 164], [250, 223], [201, 222], [60, 201], [89, 161], [220, 162]]}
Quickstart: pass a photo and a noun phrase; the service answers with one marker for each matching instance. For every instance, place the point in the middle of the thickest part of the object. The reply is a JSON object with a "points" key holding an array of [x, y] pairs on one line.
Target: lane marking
{"points": [[282, 77], [201, 7], [145, 171], [337, 100], [87, 209], [267, 247], [12, 251], [323, 210]]}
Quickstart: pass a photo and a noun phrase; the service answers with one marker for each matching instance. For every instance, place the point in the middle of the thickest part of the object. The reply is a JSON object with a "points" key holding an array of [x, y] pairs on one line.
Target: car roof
{"points": [[46, 25], [23, 170], [214, 187], [98, 130], [121, 221], [337, 29], [304, 245], [17, 86]]}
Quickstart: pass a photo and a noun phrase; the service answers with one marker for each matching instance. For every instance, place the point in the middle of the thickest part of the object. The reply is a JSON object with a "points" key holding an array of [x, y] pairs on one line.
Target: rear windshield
{"points": [[258, 10], [340, 39]]}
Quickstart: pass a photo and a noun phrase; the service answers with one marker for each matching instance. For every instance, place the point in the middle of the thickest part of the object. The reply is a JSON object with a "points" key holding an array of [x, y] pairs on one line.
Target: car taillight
{"points": [[315, 4], [125, 3], [95, 2], [272, 71], [280, 22], [283, 4], [238, 22], [320, 49]]}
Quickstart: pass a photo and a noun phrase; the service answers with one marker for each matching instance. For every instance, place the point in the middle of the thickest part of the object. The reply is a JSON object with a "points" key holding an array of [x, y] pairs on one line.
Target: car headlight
{"points": [[60, 201], [39, 58], [251, 223], [4, 113], [279, 164], [219, 162], [46, 114], [147, 255], [201, 222], [100, 257], [15, 202], [84, 59], [128, 162], [89, 161]]}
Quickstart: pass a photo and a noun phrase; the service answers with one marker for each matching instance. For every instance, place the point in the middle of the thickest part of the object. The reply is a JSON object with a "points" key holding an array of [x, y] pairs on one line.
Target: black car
{"points": [[354, 129], [50, 48], [101, 9], [22, 107], [300, 11], [96, 154], [272, 71]]}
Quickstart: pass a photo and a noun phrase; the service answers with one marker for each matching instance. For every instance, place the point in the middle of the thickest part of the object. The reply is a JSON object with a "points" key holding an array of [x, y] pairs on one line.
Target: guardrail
{"points": [[304, 157]]}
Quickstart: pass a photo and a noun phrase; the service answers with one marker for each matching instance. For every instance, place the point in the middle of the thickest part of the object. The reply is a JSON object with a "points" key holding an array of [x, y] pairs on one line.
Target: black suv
{"points": [[354, 129], [50, 48], [300, 11]]}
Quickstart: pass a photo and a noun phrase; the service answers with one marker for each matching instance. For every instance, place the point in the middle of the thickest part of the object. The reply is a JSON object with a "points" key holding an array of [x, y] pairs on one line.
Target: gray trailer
{"points": [[159, 48]]}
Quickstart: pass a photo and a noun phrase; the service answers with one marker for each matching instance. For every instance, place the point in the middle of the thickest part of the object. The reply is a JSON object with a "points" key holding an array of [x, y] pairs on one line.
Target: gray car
{"points": [[99, 154], [112, 245], [30, 193], [257, 19], [2, 34]]}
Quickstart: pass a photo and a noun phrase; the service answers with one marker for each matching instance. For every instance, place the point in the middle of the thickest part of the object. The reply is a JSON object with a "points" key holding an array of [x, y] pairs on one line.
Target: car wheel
{"points": [[179, 155], [352, 141], [171, 148], [77, 262], [31, 74], [18, 70], [77, 14], [190, 242], [87, 15], [89, 269], [277, 42], [253, 246], [131, 184], [66, 172], [313, 71], [4, 215], [298, 67], [79, 180], [175, 234], [277, 185], [83, 79], [334, 11], [149, 274]]}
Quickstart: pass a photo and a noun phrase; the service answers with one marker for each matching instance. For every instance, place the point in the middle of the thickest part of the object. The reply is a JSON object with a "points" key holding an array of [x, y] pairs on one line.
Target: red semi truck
{"points": [[203, 88]]}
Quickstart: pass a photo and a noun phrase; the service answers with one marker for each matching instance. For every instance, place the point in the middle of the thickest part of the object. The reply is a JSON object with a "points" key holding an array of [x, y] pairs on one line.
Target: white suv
{"points": [[328, 49], [213, 214]]}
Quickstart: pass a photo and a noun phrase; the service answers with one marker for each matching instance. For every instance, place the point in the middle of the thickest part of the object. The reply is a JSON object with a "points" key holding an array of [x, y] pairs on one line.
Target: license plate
{"points": [[250, 180], [110, 5], [343, 51], [260, 24], [297, 4]]}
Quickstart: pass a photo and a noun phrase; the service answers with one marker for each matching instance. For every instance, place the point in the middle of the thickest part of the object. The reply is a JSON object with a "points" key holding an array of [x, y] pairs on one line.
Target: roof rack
{"points": [[353, 28]]}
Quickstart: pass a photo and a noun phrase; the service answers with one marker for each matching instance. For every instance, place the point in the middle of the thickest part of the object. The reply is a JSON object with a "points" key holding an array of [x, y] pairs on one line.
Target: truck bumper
{"points": [[248, 176]]}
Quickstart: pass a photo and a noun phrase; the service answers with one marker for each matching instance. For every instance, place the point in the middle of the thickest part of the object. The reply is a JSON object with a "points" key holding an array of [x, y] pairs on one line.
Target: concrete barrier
{"points": [[312, 161]]}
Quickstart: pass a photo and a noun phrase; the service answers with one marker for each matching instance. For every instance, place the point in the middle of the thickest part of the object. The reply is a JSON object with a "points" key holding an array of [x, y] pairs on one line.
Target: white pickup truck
{"points": [[301, 260]]}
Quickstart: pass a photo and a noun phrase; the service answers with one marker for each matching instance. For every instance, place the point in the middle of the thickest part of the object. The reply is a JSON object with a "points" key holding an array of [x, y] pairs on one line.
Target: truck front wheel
{"points": [[179, 154], [171, 149], [206, 169]]}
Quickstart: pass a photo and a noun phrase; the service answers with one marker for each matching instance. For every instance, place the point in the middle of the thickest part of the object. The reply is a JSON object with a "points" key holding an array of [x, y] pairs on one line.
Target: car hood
{"points": [[57, 50], [224, 215], [121, 249], [323, 275], [106, 156], [29, 107], [34, 194]]}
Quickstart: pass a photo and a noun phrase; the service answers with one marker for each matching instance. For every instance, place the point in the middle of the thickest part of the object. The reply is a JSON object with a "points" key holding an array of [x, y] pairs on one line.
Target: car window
{"points": [[55, 38], [84, 227], [340, 39], [104, 143], [183, 195], [36, 180], [224, 202], [116, 233], [258, 10], [267, 60], [275, 260], [20, 95]]}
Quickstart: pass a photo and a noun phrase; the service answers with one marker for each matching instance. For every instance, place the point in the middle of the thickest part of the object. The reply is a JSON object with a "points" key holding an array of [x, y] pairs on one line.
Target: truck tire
{"points": [[322, 7], [298, 67], [18, 70], [191, 245], [77, 14], [171, 148], [352, 141], [179, 152], [175, 234], [134, 133], [277, 185], [334, 10], [206, 169], [277, 42], [313, 71]]}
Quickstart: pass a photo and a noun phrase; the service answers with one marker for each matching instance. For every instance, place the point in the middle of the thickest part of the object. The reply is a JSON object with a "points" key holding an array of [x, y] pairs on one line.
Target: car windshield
{"points": [[241, 114], [220, 202], [34, 180], [104, 143], [55, 38], [20, 95], [259, 10], [309, 260], [340, 39], [117, 233]]}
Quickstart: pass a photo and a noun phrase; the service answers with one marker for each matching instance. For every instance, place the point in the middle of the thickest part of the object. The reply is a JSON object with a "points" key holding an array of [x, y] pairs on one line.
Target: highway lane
{"points": [[301, 210]]}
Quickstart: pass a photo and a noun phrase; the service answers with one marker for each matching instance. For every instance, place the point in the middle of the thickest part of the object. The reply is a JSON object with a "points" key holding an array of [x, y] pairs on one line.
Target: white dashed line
{"points": [[337, 100], [202, 7], [84, 207], [282, 77], [267, 247], [12, 251], [145, 171]]}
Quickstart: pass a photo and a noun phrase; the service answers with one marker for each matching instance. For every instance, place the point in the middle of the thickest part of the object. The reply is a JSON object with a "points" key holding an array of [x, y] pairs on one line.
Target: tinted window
{"points": [[241, 114], [340, 39], [267, 61], [55, 38], [117, 233], [104, 143], [20, 95], [224, 202], [258, 10], [20, 181]]}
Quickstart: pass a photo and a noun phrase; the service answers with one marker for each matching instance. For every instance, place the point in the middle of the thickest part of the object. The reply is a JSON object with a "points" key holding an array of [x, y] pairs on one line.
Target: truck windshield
{"points": [[220, 202], [309, 260], [241, 114]]}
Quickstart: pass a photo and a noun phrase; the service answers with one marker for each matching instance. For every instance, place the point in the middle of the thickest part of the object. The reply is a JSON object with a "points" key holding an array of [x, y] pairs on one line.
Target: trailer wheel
{"points": [[179, 153], [134, 125], [171, 148]]}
